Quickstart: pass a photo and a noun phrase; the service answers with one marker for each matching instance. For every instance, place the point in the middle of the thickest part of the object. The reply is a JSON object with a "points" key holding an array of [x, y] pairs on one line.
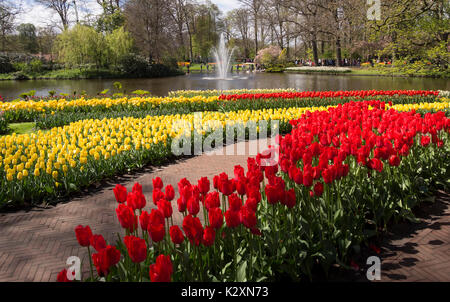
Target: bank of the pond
{"points": [[11, 90], [367, 72], [80, 74]]}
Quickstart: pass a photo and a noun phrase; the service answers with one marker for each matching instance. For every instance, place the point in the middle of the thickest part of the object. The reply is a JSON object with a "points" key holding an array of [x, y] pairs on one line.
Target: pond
{"points": [[161, 86]]}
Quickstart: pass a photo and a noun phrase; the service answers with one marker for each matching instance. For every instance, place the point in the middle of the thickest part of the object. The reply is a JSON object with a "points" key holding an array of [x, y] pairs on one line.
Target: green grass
{"points": [[22, 128]]}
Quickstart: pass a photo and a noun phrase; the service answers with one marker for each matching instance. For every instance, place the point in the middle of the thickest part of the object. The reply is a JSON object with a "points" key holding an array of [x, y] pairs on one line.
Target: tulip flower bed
{"points": [[343, 176], [47, 165], [54, 113], [331, 94], [208, 93]]}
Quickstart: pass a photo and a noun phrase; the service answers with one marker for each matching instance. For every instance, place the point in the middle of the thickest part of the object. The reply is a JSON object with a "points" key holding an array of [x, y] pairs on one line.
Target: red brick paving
{"points": [[35, 244]]}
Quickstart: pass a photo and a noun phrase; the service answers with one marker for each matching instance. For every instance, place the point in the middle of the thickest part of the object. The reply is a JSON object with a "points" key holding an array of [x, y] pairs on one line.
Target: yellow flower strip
{"points": [[41, 106], [443, 105]]}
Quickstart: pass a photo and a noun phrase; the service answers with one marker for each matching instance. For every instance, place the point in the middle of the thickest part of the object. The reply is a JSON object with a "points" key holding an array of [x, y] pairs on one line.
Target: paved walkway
{"points": [[35, 244]]}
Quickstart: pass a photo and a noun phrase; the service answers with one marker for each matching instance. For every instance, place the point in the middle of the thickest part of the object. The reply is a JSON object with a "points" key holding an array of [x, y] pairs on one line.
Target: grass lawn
{"points": [[22, 128]]}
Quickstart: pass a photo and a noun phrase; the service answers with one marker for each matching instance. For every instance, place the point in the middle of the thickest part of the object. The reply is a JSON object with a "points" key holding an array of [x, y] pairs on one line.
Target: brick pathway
{"points": [[35, 244], [420, 252]]}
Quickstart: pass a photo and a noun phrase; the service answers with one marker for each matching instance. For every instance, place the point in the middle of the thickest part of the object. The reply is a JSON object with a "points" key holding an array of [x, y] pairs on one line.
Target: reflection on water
{"points": [[161, 86]]}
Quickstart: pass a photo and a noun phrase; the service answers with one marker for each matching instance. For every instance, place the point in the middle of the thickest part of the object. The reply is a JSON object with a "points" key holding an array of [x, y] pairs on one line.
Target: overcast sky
{"points": [[40, 16]]}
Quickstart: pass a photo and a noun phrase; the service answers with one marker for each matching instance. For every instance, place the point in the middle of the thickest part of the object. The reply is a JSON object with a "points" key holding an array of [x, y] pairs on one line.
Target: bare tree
{"points": [[255, 7], [61, 7], [8, 13]]}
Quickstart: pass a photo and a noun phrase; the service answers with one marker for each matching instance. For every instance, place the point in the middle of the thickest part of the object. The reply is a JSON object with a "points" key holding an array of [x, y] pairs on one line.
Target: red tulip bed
{"points": [[343, 176], [362, 94]]}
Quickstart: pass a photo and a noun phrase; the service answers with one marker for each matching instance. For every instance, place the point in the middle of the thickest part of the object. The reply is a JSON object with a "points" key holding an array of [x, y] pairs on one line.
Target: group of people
{"points": [[328, 62]]}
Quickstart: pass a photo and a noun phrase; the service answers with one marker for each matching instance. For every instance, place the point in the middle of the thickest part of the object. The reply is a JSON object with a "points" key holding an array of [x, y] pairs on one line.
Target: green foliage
{"points": [[84, 46], [26, 95], [5, 65], [119, 43], [141, 92], [111, 19], [3, 124], [28, 38], [35, 66], [52, 93]]}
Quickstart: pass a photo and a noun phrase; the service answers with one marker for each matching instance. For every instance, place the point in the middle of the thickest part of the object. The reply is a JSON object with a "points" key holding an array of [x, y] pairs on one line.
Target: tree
{"points": [[61, 7], [82, 46], [255, 7], [112, 17], [27, 37], [240, 23], [120, 43], [8, 13], [149, 26]]}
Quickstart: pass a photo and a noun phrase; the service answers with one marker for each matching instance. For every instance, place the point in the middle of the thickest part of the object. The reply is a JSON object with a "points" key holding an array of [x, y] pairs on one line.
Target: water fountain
{"points": [[223, 56]]}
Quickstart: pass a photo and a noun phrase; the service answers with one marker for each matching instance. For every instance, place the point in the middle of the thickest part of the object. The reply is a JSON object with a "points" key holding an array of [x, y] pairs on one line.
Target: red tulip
{"points": [[156, 217], [176, 234], [144, 220], [182, 206], [170, 193], [98, 242], [120, 192], [247, 217], [137, 249], [290, 200], [157, 183], [162, 270], [137, 188], [425, 140], [318, 189], [252, 203], [83, 235], [203, 185], [193, 229], [105, 259], [126, 217], [232, 219], [165, 207], [157, 232], [209, 235], [235, 202], [215, 218], [212, 200], [193, 206], [394, 161], [157, 195], [136, 200], [272, 194]]}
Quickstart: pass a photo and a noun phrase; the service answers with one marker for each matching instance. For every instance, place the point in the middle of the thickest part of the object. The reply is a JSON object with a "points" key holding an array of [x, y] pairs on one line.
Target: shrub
{"points": [[133, 64], [5, 65], [20, 75], [35, 66]]}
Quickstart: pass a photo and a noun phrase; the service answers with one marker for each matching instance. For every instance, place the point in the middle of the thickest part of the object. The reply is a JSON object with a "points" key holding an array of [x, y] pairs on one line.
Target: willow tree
{"points": [[82, 46]]}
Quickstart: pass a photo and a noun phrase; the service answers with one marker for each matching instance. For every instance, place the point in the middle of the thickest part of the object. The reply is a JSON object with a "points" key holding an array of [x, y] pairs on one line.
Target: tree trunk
{"points": [[256, 33], [338, 52], [315, 51]]}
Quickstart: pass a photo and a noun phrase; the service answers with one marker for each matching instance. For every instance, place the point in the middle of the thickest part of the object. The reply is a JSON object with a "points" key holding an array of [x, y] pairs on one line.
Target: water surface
{"points": [[161, 86]]}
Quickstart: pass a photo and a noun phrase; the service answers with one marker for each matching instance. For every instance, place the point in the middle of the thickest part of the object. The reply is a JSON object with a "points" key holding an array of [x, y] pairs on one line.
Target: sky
{"points": [[40, 16]]}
